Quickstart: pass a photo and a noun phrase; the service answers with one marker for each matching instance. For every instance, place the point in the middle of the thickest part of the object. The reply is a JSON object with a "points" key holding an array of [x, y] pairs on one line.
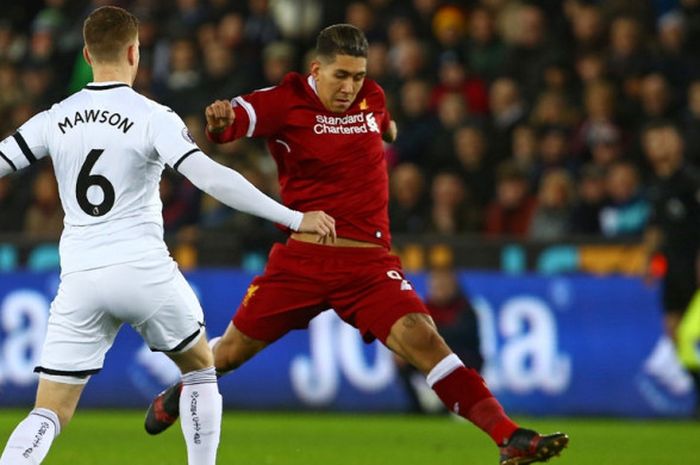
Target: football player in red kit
{"points": [[326, 133]]}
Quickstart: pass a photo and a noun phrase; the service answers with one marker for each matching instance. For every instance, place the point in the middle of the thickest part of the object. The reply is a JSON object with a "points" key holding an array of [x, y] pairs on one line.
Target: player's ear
{"points": [[86, 55], [132, 53], [315, 68]]}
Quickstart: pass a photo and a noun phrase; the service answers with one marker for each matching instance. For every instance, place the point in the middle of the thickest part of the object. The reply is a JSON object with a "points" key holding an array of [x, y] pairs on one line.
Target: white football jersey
{"points": [[109, 145]]}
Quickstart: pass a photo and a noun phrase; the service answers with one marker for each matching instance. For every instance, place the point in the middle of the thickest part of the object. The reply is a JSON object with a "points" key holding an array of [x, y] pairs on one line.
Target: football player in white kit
{"points": [[109, 145]]}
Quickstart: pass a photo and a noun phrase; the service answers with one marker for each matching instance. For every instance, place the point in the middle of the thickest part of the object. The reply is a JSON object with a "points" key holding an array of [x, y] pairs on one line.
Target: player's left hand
{"points": [[391, 132], [318, 222]]}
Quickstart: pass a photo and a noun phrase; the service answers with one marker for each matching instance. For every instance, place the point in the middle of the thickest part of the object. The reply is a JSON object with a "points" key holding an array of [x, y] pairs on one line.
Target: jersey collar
{"points": [[105, 85], [312, 83]]}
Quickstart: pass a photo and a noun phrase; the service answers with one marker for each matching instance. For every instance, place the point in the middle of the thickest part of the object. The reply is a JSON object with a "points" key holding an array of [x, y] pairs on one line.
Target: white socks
{"points": [[200, 416], [32, 438], [443, 369]]}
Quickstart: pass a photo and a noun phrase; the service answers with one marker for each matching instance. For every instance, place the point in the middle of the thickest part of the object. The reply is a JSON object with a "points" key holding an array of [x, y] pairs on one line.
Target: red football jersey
{"points": [[326, 161]]}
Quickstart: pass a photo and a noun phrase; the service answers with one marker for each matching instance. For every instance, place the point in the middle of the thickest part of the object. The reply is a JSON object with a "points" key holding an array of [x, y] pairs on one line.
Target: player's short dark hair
{"points": [[341, 39], [107, 31]]}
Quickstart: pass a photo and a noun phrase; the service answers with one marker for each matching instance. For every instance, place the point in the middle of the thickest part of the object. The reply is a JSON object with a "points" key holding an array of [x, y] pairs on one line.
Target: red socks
{"points": [[464, 392]]}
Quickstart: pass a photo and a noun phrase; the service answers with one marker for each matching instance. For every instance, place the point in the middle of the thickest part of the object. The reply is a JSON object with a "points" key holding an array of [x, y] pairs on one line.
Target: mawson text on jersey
{"points": [[96, 116]]}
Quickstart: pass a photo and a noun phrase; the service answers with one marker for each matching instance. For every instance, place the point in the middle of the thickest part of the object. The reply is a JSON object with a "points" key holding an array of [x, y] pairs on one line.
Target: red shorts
{"points": [[364, 285]]}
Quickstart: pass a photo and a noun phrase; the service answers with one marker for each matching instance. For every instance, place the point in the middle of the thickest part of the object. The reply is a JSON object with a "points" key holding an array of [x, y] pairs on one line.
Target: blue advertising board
{"points": [[553, 345]]}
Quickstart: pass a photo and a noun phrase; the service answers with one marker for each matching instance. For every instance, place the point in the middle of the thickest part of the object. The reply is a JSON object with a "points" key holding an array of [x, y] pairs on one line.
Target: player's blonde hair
{"points": [[107, 31]]}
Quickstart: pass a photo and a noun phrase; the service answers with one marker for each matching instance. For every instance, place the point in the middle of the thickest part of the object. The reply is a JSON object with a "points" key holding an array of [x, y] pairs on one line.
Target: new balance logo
{"points": [[405, 285]]}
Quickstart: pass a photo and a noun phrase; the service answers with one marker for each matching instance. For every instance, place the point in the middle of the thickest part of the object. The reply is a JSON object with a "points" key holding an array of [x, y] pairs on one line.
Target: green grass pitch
{"points": [[108, 437]]}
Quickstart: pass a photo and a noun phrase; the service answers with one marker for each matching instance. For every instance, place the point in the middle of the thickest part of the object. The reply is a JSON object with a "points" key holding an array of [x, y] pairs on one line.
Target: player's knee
{"points": [[421, 337]]}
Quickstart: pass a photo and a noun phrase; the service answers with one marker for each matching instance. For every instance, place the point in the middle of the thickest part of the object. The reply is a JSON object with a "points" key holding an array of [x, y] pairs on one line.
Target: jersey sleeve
{"points": [[171, 138], [234, 190], [384, 123], [27, 145], [258, 114]]}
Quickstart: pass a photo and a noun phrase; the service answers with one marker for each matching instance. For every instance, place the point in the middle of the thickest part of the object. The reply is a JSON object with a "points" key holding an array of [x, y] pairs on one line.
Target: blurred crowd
{"points": [[517, 118]]}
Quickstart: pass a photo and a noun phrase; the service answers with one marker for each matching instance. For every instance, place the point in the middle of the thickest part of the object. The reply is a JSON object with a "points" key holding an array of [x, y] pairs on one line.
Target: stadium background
{"points": [[518, 162]]}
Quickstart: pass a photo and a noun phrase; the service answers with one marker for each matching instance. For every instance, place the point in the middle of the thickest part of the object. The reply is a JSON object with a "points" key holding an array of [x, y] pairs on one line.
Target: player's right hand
{"points": [[317, 222], [219, 115]]}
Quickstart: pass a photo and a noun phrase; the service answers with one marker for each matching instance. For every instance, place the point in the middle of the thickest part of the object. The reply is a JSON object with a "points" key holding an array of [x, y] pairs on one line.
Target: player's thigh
{"points": [[278, 303], [157, 301], [375, 295], [80, 330]]}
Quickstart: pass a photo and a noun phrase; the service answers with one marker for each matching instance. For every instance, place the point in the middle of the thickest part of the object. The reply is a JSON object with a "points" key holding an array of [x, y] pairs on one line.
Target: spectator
{"points": [[600, 110], [12, 206], [185, 78], [417, 124], [508, 110], [591, 67], [628, 57], [626, 211], [524, 154], [590, 202], [449, 28], [691, 124], [180, 202], [552, 217], [671, 57], [509, 214], [674, 227], [605, 144], [474, 162], [223, 75], [554, 152], [530, 51], [457, 321], [451, 114], [260, 28], [278, 60], [587, 27], [408, 59], [455, 79], [655, 100], [552, 109], [408, 209], [44, 217], [453, 208], [485, 51]]}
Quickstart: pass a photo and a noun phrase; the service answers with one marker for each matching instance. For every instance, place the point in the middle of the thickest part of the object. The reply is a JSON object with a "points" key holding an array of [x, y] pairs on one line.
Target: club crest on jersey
{"points": [[187, 135], [372, 123], [363, 104], [252, 289]]}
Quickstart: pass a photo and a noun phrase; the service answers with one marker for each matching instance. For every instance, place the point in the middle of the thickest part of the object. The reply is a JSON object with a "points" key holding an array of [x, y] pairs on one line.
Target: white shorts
{"points": [[90, 307]]}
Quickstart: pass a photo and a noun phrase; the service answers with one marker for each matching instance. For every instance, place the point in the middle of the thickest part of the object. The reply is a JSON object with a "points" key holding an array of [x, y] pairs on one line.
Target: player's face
{"points": [[339, 81]]}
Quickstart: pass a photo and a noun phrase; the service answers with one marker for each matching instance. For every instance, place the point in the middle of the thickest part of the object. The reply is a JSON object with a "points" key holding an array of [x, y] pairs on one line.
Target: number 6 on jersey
{"points": [[86, 180]]}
